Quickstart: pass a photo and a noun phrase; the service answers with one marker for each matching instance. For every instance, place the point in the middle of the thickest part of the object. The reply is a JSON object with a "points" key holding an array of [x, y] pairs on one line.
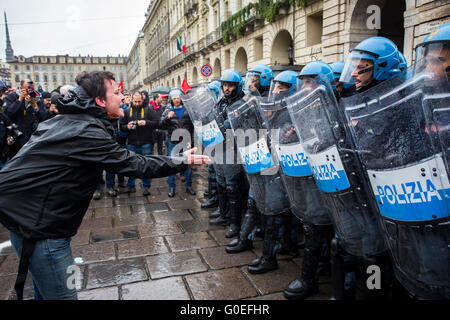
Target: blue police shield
{"points": [[200, 104], [336, 169], [307, 201], [253, 143], [401, 130]]}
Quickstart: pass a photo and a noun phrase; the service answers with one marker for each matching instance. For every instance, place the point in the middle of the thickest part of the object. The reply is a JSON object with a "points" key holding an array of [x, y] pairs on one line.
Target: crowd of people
{"points": [[145, 123], [311, 183]]}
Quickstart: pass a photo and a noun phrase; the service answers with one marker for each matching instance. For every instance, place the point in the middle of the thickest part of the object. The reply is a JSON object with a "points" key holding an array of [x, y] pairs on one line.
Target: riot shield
{"points": [[225, 154], [255, 154], [401, 130], [200, 105], [306, 200], [336, 169]]}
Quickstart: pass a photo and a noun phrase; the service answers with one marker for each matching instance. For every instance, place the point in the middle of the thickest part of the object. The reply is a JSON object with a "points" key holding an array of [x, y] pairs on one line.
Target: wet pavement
{"points": [[160, 248]]}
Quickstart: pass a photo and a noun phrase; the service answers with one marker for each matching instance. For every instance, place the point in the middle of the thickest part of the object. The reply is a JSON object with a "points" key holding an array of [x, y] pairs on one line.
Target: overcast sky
{"points": [[94, 27]]}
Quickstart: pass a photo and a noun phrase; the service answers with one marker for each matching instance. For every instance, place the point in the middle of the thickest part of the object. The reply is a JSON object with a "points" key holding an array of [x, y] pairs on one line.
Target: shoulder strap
{"points": [[28, 246]]}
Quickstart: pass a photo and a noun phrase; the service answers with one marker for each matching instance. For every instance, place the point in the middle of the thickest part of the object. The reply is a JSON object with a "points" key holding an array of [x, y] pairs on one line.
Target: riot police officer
{"points": [[402, 138], [436, 45], [257, 82], [372, 62], [309, 205], [274, 205], [230, 178], [211, 193]]}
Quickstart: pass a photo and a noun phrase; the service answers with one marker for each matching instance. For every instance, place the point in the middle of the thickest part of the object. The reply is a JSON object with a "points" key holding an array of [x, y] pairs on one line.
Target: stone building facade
{"points": [[136, 67], [240, 34], [5, 73], [53, 71]]}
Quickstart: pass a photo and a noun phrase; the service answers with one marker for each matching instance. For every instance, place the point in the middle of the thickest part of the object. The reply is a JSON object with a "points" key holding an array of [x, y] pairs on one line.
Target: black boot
{"points": [[219, 221], [307, 285], [239, 246], [223, 208], [215, 214], [234, 195], [248, 224], [264, 265], [337, 270], [233, 243], [290, 238], [212, 183], [268, 261], [233, 231], [211, 203]]}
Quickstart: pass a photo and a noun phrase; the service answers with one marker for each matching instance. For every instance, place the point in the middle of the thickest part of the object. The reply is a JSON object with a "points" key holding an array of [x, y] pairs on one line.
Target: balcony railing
{"points": [[237, 22], [213, 37], [190, 6]]}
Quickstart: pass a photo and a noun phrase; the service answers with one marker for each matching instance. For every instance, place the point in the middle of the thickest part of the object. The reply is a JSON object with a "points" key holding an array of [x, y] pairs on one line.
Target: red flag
{"points": [[185, 86], [121, 85], [184, 49]]}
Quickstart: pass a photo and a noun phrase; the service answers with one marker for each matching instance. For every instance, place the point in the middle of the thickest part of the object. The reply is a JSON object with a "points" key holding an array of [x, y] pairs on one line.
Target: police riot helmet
{"points": [[338, 67], [232, 76], [261, 73], [436, 45], [382, 52], [284, 84], [319, 69]]}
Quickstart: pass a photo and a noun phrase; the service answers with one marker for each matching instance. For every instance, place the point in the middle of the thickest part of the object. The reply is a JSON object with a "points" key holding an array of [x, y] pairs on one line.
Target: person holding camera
{"points": [[140, 121], [26, 113], [5, 139]]}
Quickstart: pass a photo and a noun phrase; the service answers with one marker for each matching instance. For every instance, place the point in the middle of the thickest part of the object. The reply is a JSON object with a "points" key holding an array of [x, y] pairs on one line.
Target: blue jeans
{"points": [[111, 180], [187, 174], [49, 268], [144, 150]]}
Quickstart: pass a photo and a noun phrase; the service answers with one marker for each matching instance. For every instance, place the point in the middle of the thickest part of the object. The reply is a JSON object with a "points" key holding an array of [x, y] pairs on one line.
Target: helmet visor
{"points": [[358, 62], [252, 83], [307, 82], [433, 66], [279, 90], [437, 50]]}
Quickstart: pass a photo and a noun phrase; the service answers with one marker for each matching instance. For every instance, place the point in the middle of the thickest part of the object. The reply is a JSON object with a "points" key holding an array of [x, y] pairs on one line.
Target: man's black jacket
{"points": [[46, 189], [140, 135]]}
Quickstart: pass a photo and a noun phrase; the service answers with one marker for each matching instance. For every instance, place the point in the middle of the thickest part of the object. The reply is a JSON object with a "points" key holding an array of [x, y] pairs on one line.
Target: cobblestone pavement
{"points": [[155, 247]]}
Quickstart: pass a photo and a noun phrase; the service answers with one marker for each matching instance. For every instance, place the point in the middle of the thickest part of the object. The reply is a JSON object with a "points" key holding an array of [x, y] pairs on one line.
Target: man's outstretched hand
{"points": [[196, 160]]}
